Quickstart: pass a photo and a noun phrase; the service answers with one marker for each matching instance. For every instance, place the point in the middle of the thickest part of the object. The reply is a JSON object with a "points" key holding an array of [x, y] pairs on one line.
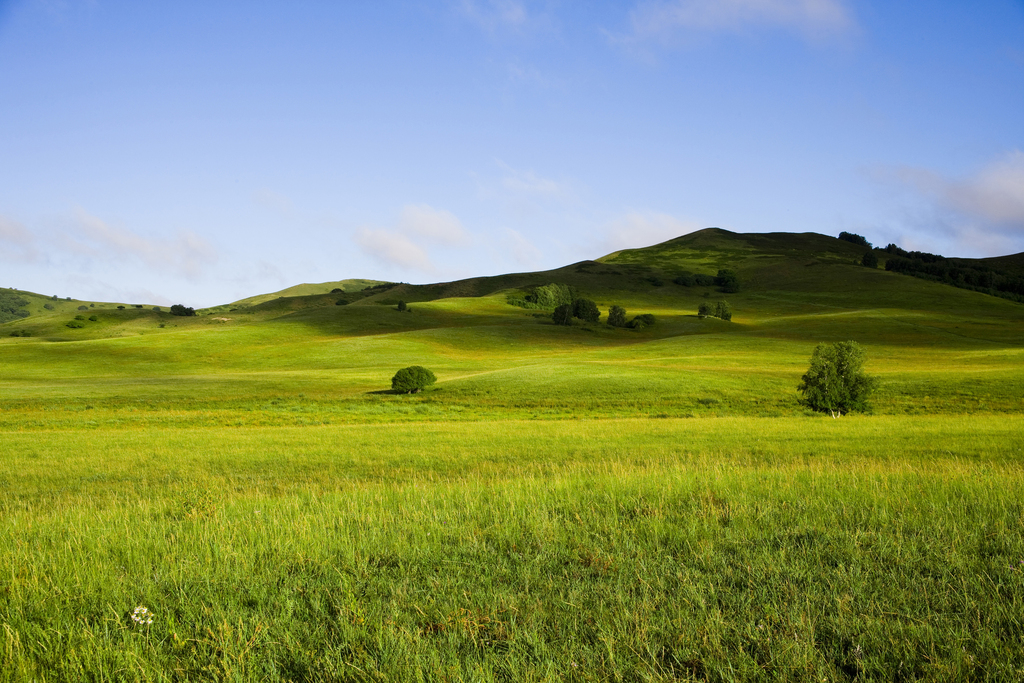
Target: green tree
{"points": [[412, 379], [869, 259], [727, 281], [703, 310], [835, 383], [179, 309], [585, 309], [723, 311], [563, 315], [617, 316], [401, 305]]}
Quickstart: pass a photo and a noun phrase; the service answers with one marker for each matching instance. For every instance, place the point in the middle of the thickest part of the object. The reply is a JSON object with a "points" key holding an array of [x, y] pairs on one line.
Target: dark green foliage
{"points": [[869, 260], [75, 324], [185, 311], [727, 281], [401, 305], [341, 302], [11, 306], [83, 308], [120, 308], [337, 290], [563, 315], [93, 318], [412, 379], [656, 281], [21, 333], [703, 310], [586, 310], [723, 311], [156, 308], [48, 306], [686, 279], [955, 272], [79, 317], [854, 238], [641, 321], [617, 316], [835, 383], [384, 286], [140, 306]]}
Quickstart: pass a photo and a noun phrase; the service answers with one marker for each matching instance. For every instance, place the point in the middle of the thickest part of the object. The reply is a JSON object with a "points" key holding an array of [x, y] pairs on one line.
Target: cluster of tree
{"points": [[545, 297], [720, 310], [726, 280], [384, 286], [954, 272], [21, 333], [412, 379], [854, 238], [835, 383], [178, 309], [581, 309], [11, 306]]}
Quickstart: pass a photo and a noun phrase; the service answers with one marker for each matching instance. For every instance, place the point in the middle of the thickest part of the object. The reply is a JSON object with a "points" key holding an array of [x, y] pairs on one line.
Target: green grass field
{"points": [[566, 503]]}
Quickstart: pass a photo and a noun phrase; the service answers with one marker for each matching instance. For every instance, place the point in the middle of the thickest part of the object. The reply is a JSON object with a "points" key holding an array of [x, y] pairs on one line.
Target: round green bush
{"points": [[412, 379]]}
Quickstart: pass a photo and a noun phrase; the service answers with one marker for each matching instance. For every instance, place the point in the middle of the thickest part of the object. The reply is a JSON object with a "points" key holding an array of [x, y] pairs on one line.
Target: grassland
{"points": [[580, 503]]}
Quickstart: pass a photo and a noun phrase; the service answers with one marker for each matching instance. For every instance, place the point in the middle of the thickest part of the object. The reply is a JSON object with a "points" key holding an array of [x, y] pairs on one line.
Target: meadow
{"points": [[566, 503]]}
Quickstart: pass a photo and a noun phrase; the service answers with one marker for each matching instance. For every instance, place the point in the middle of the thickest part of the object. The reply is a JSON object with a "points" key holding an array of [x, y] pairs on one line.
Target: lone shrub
{"points": [[835, 383], [617, 316], [563, 315], [79, 317], [48, 307], [341, 302], [337, 290], [75, 324], [120, 308], [401, 305], [184, 311], [93, 318], [83, 308], [412, 379], [869, 260], [585, 309]]}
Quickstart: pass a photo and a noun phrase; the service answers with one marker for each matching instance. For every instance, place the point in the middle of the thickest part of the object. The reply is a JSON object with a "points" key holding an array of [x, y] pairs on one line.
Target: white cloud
{"points": [[16, 242], [996, 194], [187, 254], [980, 214], [437, 225], [392, 248], [663, 19], [641, 229], [405, 245]]}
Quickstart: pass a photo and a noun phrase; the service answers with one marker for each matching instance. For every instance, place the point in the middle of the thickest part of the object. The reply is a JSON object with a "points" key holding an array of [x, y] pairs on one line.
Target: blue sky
{"points": [[200, 152]]}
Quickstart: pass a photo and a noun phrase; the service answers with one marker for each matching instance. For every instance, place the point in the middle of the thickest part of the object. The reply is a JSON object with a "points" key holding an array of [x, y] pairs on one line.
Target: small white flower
{"points": [[142, 616]]}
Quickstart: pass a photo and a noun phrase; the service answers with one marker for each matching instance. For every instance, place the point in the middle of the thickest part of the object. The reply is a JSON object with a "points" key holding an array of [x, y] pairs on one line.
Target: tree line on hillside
{"points": [[726, 280], [978, 277], [11, 306]]}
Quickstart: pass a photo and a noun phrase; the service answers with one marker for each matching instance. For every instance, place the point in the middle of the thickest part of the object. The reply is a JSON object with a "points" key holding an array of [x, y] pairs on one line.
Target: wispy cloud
{"points": [[494, 14], [640, 229], [16, 242], [394, 249], [186, 254], [436, 225], [522, 250], [979, 214], [418, 227], [666, 20]]}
